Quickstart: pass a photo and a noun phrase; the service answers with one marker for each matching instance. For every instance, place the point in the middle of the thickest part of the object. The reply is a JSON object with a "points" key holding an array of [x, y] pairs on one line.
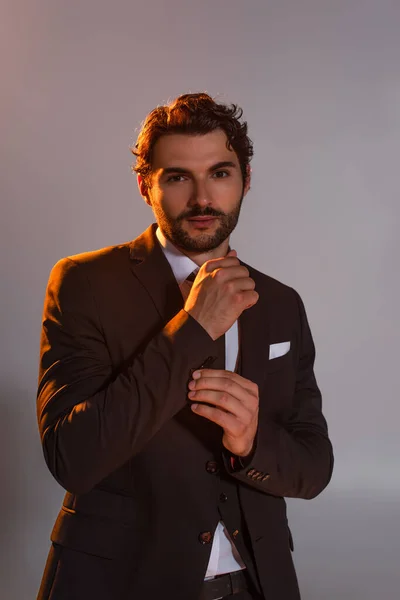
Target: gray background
{"points": [[320, 85]]}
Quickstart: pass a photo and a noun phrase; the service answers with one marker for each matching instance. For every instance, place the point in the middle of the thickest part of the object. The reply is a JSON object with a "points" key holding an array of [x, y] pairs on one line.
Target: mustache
{"points": [[197, 212]]}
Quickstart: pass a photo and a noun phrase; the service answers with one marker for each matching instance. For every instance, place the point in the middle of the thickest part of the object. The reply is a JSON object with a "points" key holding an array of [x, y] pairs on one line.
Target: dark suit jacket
{"points": [[117, 349]]}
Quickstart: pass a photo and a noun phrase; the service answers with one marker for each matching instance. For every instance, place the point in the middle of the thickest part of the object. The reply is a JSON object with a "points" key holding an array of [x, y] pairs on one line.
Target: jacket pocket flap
{"points": [[91, 534]]}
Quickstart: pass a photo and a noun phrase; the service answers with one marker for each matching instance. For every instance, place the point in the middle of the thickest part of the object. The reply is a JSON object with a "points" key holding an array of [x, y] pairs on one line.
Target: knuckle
{"points": [[228, 384], [244, 425], [230, 287], [241, 429], [221, 418], [238, 297], [254, 406], [219, 274], [223, 398]]}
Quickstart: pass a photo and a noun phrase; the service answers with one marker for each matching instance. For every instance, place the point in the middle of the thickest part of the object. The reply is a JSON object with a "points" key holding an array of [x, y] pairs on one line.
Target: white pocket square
{"points": [[280, 349]]}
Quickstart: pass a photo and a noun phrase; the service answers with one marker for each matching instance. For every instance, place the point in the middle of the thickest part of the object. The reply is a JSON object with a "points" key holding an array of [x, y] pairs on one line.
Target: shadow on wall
{"points": [[30, 498]]}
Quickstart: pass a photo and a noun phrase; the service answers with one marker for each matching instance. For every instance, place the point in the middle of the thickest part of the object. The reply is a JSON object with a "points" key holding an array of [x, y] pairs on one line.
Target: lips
{"points": [[201, 219], [202, 223]]}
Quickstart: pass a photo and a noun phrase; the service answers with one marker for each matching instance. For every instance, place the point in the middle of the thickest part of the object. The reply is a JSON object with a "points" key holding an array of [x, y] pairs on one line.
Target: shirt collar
{"points": [[180, 264]]}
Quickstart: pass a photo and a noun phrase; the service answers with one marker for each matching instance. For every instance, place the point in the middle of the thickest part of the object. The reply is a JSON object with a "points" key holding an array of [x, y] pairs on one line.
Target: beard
{"points": [[205, 242]]}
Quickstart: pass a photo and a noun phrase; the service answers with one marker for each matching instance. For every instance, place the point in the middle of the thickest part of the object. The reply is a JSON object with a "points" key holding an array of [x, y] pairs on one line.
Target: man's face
{"points": [[196, 189]]}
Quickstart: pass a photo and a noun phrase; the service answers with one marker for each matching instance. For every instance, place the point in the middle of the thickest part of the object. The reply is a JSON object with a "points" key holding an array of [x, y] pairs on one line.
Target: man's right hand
{"points": [[222, 290]]}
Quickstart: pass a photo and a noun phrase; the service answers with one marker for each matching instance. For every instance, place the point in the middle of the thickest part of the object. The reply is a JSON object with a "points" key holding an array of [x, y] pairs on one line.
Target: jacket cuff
{"points": [[234, 463]]}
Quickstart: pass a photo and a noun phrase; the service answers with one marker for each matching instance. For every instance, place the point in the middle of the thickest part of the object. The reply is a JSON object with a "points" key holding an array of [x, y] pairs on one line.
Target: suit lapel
{"points": [[153, 270], [254, 343]]}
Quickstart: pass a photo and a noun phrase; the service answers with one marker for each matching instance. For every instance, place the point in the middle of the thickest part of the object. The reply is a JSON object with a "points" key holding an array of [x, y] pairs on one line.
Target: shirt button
{"points": [[212, 467], [223, 497], [205, 537]]}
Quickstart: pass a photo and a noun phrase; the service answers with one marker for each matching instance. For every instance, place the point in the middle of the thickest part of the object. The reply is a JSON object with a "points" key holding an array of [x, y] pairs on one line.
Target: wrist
{"points": [[203, 324], [241, 461], [246, 453]]}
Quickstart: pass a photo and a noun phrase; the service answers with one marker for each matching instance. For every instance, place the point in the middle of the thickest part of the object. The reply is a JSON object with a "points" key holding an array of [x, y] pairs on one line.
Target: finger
{"points": [[252, 297], [225, 261], [227, 376], [223, 401], [229, 423], [224, 387], [233, 284], [225, 273], [220, 373]]}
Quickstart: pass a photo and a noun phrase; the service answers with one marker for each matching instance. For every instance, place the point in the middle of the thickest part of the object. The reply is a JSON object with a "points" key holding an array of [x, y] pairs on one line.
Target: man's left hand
{"points": [[235, 402]]}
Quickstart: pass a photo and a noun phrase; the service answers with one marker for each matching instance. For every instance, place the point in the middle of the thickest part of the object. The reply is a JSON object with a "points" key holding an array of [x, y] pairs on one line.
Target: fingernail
{"points": [[196, 374], [194, 406]]}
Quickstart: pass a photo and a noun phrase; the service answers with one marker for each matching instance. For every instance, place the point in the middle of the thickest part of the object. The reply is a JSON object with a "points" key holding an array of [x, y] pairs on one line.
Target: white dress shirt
{"points": [[224, 557]]}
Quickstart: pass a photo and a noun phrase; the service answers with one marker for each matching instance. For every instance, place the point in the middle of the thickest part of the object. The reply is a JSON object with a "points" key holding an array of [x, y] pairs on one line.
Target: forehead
{"points": [[192, 151]]}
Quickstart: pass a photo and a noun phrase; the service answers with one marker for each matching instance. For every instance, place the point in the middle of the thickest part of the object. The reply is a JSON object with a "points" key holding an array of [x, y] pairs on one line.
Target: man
{"points": [[177, 403]]}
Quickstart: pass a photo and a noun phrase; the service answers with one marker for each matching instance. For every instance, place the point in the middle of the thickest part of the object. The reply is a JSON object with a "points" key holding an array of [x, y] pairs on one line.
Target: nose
{"points": [[201, 194]]}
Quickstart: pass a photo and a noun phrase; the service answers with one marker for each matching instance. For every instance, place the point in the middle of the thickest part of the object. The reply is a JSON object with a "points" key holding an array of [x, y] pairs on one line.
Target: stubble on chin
{"points": [[204, 242]]}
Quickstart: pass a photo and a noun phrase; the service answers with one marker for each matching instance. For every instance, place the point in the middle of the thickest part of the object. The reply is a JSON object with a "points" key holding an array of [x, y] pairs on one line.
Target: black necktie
{"points": [[192, 276]]}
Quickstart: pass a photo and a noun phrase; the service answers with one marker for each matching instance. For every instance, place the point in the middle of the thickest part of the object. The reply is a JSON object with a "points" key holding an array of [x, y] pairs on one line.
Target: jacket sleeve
{"points": [[292, 455], [92, 419]]}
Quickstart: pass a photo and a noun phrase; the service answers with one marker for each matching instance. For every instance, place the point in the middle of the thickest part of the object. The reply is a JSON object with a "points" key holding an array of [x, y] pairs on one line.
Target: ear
{"points": [[143, 189], [247, 180]]}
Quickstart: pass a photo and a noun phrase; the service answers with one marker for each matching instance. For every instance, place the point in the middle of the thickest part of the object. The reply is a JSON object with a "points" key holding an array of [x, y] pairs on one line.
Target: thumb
{"points": [[232, 253]]}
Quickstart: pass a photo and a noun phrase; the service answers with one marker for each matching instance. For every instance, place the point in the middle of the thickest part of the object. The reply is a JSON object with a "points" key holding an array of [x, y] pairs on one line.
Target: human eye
{"points": [[175, 178], [221, 174]]}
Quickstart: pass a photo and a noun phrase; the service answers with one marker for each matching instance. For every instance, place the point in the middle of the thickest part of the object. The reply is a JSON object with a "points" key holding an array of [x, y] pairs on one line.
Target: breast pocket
{"points": [[280, 362]]}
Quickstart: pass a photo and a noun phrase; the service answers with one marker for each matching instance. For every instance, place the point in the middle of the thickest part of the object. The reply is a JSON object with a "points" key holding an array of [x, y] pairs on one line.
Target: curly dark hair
{"points": [[192, 114]]}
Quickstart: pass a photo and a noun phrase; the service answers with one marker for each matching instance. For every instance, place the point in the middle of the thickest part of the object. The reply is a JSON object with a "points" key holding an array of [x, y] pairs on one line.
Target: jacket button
{"points": [[223, 497], [212, 467], [205, 537], [235, 533]]}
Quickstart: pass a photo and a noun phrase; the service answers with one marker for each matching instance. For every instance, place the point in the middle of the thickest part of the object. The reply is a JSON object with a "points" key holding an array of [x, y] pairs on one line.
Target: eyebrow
{"points": [[219, 165]]}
